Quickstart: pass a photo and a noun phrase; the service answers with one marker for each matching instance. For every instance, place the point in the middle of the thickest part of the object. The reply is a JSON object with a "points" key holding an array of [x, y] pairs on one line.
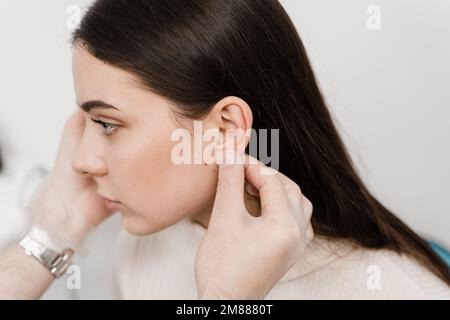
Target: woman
{"points": [[66, 208], [142, 69]]}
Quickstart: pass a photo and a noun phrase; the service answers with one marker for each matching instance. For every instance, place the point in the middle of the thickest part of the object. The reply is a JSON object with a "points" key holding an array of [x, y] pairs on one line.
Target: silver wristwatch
{"points": [[57, 263]]}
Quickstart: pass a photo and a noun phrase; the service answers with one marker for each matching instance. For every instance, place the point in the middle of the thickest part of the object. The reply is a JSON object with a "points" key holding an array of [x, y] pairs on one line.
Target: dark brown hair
{"points": [[196, 52]]}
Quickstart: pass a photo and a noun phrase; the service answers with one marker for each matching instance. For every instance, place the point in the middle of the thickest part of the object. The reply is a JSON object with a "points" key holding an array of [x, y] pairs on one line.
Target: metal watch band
{"points": [[56, 263]]}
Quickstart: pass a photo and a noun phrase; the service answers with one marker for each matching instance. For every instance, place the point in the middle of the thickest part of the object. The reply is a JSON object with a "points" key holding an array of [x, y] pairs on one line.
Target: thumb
{"points": [[271, 191]]}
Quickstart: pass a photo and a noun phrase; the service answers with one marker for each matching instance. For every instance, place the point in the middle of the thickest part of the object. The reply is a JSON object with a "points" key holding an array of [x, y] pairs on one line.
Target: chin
{"points": [[140, 226], [134, 225]]}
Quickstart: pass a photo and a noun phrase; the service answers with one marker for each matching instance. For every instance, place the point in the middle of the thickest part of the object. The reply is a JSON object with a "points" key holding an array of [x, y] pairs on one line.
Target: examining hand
{"points": [[67, 206], [241, 256]]}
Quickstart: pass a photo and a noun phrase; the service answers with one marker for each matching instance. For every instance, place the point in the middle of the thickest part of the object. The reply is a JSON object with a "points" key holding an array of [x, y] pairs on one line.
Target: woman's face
{"points": [[127, 150]]}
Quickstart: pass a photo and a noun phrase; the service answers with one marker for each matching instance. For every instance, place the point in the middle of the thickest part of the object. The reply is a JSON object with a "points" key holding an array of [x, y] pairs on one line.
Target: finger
{"points": [[75, 123], [302, 210], [309, 233], [73, 130], [271, 191], [230, 184], [297, 198], [251, 189], [70, 140], [307, 207], [293, 191]]}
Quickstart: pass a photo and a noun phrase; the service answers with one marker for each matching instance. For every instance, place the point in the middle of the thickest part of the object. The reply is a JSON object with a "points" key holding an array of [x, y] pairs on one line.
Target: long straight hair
{"points": [[196, 52]]}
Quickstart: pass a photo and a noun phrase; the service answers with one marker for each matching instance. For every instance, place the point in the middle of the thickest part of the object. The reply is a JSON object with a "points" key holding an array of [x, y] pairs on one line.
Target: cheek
{"points": [[184, 192], [156, 192], [192, 188], [139, 173]]}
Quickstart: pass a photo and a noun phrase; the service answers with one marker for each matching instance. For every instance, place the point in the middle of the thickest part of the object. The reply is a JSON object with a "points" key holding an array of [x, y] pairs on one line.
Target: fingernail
{"points": [[251, 189]]}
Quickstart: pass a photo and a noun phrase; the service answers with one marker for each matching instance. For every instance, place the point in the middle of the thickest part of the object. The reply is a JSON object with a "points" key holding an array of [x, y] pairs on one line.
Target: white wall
{"points": [[388, 89]]}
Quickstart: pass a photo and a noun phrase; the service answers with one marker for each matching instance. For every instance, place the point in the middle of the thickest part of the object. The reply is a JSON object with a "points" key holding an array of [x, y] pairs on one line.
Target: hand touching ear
{"points": [[241, 256]]}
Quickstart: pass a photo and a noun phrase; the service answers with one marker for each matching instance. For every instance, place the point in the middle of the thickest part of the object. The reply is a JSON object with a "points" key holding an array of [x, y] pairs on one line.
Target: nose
{"points": [[89, 164]]}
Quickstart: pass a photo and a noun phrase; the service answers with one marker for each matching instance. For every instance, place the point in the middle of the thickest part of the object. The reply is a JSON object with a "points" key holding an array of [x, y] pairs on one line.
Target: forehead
{"points": [[96, 79]]}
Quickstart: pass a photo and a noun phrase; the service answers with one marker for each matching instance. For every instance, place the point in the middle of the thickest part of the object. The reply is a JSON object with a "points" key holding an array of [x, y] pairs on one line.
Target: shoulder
{"points": [[340, 269], [385, 274], [403, 276]]}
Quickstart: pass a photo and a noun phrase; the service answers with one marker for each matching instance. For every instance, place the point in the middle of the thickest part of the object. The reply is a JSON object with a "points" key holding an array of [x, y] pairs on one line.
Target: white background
{"points": [[388, 90]]}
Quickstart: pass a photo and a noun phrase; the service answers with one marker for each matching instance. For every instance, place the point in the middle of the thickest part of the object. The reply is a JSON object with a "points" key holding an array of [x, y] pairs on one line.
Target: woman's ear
{"points": [[231, 114]]}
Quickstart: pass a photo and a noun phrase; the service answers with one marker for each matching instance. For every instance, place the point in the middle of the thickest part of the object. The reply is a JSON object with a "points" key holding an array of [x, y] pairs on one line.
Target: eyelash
{"points": [[107, 126]]}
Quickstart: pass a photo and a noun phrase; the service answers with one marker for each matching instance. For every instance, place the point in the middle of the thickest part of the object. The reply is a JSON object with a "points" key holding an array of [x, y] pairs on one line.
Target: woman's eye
{"points": [[108, 128]]}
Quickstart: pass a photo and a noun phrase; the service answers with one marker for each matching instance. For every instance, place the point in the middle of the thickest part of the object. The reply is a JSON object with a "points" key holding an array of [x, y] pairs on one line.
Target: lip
{"points": [[111, 205]]}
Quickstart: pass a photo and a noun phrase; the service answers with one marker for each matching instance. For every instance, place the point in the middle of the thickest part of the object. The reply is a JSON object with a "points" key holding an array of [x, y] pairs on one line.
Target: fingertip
{"points": [[75, 121]]}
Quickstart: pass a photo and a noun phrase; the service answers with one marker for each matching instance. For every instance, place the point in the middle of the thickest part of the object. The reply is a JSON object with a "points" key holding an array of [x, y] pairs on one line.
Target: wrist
{"points": [[22, 276], [57, 223], [43, 237], [38, 245]]}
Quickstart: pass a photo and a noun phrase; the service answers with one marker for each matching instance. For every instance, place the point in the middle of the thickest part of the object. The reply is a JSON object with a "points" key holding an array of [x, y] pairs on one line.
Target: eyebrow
{"points": [[96, 104]]}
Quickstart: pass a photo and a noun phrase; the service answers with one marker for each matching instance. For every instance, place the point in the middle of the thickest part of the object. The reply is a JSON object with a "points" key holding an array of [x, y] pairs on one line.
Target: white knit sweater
{"points": [[161, 266]]}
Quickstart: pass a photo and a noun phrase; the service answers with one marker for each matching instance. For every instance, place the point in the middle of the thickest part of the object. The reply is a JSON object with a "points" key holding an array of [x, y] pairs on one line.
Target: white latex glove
{"points": [[241, 256], [67, 206]]}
